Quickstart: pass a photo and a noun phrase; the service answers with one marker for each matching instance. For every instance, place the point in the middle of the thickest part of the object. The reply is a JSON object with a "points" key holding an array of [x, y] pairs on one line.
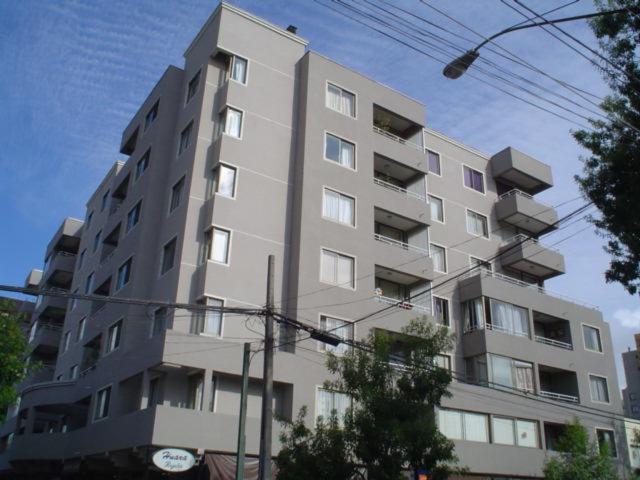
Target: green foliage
{"points": [[579, 458], [13, 350], [611, 174], [391, 425]]}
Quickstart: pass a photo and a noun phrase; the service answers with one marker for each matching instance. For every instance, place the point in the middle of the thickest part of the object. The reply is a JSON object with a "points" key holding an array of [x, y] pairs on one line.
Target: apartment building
{"points": [[631, 393], [259, 146]]}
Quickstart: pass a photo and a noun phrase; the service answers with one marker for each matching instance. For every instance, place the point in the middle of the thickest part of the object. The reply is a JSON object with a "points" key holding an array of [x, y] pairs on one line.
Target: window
{"points": [[133, 217], [73, 372], [442, 361], [66, 341], [592, 338], [437, 208], [341, 100], [209, 322], [473, 314], [217, 245], [458, 425], [337, 269], [96, 241], [338, 207], [80, 331], [81, 258], [510, 373], [154, 392], [338, 327], [509, 318], [101, 409], [599, 389], [142, 165], [212, 396], [509, 431], [74, 302], [105, 199], [113, 337], [168, 256], [239, 69], [477, 224], [195, 392], [159, 323], [607, 442], [527, 433], [185, 138], [231, 122], [329, 401], [340, 151], [193, 86], [434, 162], [88, 286], [89, 218], [124, 274], [151, 115], [480, 264], [224, 181], [473, 179], [176, 195], [441, 310], [439, 257]]}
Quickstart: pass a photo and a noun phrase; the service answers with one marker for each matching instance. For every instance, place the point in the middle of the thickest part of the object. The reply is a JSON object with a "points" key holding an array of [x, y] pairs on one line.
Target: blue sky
{"points": [[75, 71]]}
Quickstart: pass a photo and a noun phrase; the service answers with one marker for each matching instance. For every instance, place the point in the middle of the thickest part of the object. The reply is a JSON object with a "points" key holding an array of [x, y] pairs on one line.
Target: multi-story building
{"points": [[259, 146], [631, 393]]}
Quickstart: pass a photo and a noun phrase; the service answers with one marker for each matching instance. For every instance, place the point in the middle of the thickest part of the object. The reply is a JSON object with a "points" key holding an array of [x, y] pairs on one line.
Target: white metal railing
{"points": [[399, 244], [514, 281], [403, 304], [396, 138], [553, 343], [521, 237], [398, 189], [515, 191], [495, 328], [561, 397]]}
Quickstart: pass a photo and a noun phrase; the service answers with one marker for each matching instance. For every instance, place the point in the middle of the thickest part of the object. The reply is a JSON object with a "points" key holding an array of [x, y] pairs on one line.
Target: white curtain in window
{"points": [[439, 259], [592, 338], [501, 371], [345, 214], [226, 181], [334, 98], [450, 423], [329, 266], [220, 246], [323, 403], [347, 151], [213, 320], [348, 104], [436, 209], [475, 427], [340, 328], [503, 432], [473, 314], [345, 271], [239, 70], [331, 204], [509, 318], [477, 224], [233, 123], [527, 433], [599, 391], [341, 402], [524, 376]]}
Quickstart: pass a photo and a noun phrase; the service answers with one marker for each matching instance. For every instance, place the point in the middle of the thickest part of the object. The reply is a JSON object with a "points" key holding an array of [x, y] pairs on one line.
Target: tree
{"points": [[394, 385], [13, 351], [611, 174], [579, 457]]}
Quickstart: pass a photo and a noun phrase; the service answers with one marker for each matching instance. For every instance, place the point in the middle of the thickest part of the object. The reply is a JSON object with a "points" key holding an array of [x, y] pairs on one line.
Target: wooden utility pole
{"points": [[266, 419], [246, 358]]}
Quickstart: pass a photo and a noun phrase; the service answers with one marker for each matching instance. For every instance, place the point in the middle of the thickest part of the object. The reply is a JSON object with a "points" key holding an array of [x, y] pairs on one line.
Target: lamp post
{"points": [[457, 67]]}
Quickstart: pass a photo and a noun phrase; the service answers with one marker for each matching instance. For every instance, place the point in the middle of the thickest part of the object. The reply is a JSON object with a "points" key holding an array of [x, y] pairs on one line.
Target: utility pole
{"points": [[266, 419], [246, 358]]}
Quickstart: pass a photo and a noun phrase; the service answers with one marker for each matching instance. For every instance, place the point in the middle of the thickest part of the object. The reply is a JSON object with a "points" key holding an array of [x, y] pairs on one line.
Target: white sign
{"points": [[173, 460]]}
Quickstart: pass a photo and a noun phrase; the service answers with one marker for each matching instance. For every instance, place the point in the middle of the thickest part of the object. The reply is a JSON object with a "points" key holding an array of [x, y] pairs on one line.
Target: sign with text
{"points": [[173, 460]]}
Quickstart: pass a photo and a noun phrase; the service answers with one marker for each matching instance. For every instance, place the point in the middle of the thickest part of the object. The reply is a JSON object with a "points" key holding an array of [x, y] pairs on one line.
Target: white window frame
{"points": [[429, 172], [584, 340], [204, 313], [444, 216], [217, 177], [466, 224], [315, 403], [463, 430], [446, 259], [355, 206], [342, 138], [484, 180], [355, 99], [606, 381], [94, 418], [324, 347], [211, 229], [343, 254], [433, 309], [225, 111], [597, 429], [110, 329], [480, 260], [233, 59]]}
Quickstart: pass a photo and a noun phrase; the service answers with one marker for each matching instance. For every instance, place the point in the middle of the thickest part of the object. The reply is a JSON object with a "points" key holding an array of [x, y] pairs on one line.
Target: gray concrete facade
{"points": [[259, 146]]}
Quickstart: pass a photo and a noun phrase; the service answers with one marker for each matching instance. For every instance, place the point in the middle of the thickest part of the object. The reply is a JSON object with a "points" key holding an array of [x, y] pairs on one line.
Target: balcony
{"points": [[119, 195], [552, 331], [402, 290], [43, 374], [45, 336], [399, 178], [527, 255], [520, 170], [558, 384], [521, 210], [109, 244], [398, 138], [66, 238], [59, 269]]}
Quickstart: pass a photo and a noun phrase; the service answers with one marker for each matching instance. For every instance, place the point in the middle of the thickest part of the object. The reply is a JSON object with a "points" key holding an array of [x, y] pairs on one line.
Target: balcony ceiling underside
{"points": [[526, 222], [393, 169]]}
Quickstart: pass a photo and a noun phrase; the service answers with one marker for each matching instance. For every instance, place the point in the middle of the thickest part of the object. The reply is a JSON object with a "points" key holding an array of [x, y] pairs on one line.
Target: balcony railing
{"points": [[396, 138], [403, 304], [399, 244], [398, 189], [553, 343], [561, 397], [515, 191], [488, 273], [522, 238], [495, 328]]}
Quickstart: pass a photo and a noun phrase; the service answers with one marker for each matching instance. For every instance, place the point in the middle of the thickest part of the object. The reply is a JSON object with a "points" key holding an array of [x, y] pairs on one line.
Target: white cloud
{"points": [[628, 318]]}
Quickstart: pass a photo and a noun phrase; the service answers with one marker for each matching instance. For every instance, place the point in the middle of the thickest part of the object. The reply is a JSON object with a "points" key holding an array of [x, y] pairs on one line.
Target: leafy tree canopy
{"points": [[13, 350]]}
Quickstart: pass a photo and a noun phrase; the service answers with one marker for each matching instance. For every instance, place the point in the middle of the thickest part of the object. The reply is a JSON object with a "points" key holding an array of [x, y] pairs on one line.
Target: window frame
{"points": [[466, 219], [66, 341], [315, 403], [152, 331], [94, 417], [444, 217], [97, 240], [119, 287], [80, 329], [613, 432], [181, 181], [216, 179], [584, 338], [225, 111], [484, 181], [342, 139], [606, 382], [343, 194], [433, 309], [145, 159], [138, 205], [326, 348], [354, 269], [232, 62], [153, 110], [198, 77], [189, 127], [481, 263], [204, 313], [210, 232], [162, 256], [446, 259], [429, 171], [463, 430], [119, 324], [105, 200], [73, 372], [342, 89]]}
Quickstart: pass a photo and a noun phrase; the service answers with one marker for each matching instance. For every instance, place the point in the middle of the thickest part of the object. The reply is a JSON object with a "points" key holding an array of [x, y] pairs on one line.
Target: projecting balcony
{"points": [[49, 306], [521, 210], [552, 331], [398, 138], [522, 171], [45, 336], [402, 290], [527, 255], [66, 238], [59, 270], [407, 182], [558, 384]]}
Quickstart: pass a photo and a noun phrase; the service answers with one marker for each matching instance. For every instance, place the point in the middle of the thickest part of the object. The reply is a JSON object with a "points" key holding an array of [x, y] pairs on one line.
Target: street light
{"points": [[457, 67]]}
